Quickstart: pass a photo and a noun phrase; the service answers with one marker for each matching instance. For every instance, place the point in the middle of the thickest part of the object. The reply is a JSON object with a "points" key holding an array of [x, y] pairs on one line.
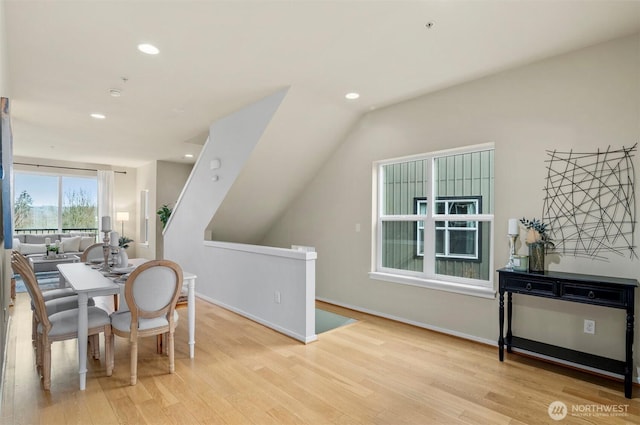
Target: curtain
{"points": [[106, 187]]}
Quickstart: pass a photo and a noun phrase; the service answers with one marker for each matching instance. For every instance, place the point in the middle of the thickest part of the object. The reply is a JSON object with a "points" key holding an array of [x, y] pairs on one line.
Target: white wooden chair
{"points": [[151, 293], [61, 325], [92, 252]]}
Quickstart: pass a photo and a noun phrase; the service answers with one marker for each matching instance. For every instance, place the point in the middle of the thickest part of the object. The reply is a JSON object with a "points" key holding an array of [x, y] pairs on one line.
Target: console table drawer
{"points": [[532, 286], [594, 295]]}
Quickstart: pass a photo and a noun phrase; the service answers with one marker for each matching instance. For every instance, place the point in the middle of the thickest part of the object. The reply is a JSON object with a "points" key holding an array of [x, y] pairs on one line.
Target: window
{"points": [[53, 203], [454, 239], [446, 244]]}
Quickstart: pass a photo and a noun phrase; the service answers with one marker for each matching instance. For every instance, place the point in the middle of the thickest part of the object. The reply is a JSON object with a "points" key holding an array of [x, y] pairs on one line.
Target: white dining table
{"points": [[89, 282]]}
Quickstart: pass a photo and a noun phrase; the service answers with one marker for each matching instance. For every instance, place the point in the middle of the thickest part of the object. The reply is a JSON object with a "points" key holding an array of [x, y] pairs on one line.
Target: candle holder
{"points": [[106, 251], [512, 252]]}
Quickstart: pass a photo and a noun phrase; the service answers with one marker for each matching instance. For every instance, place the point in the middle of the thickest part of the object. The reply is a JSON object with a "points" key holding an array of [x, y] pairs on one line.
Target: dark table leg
{"points": [[509, 316], [628, 367], [501, 327]]}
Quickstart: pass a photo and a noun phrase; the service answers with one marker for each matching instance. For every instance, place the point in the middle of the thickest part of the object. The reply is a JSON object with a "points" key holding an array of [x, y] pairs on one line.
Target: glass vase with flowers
{"points": [[538, 241]]}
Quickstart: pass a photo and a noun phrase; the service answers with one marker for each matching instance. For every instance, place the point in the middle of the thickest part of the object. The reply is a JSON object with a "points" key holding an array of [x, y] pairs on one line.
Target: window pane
{"points": [[402, 183], [36, 202], [399, 246], [440, 246], [470, 224], [465, 175], [460, 244], [79, 203]]}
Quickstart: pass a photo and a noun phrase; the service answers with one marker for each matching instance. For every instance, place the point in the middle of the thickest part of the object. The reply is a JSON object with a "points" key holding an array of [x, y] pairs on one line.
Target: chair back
{"points": [[21, 266], [92, 252], [152, 290]]}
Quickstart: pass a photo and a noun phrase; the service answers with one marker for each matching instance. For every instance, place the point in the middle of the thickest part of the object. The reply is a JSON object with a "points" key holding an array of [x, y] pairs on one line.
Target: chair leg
{"points": [[94, 342], [172, 367], [134, 362], [39, 354], [34, 329], [159, 343], [91, 346], [46, 363], [108, 350]]}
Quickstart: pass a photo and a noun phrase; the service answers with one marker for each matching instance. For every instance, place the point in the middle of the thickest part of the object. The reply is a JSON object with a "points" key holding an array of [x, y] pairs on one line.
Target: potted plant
{"points": [[538, 240], [164, 212]]}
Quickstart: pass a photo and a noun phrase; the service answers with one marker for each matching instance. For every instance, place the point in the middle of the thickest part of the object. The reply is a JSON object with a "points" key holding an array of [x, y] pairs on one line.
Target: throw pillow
{"points": [[86, 242], [32, 248], [70, 244]]}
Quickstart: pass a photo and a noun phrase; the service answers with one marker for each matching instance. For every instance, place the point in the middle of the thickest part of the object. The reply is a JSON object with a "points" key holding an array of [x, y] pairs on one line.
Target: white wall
{"points": [[240, 277], [272, 286], [585, 100], [170, 180]]}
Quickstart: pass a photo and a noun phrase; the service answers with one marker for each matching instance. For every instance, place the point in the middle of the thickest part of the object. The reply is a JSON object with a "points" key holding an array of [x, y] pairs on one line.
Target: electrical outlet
{"points": [[589, 326], [276, 297]]}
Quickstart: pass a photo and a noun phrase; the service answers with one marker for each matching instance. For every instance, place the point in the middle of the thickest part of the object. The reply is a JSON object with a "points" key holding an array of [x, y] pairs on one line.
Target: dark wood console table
{"points": [[578, 288]]}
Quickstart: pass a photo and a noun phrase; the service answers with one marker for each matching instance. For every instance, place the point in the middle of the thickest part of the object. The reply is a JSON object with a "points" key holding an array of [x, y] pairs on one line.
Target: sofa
{"points": [[70, 243]]}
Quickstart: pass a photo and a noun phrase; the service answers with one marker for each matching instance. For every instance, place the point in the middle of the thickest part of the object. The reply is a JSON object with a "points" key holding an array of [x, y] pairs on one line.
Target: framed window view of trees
{"points": [[52, 203]]}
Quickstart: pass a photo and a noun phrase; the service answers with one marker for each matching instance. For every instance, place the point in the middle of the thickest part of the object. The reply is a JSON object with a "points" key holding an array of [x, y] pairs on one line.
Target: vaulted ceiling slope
{"points": [[216, 56]]}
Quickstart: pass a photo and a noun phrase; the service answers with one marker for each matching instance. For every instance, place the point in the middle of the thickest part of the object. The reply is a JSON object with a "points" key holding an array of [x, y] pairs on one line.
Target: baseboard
{"points": [[260, 320], [411, 322]]}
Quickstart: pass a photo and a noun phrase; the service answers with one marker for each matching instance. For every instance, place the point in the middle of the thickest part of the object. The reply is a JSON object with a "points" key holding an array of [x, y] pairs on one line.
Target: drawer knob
{"points": [[591, 295], [528, 287]]}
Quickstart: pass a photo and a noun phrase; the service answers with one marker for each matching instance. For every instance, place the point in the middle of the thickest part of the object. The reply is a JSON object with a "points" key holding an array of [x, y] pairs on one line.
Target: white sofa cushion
{"points": [[86, 242], [32, 248], [70, 244]]}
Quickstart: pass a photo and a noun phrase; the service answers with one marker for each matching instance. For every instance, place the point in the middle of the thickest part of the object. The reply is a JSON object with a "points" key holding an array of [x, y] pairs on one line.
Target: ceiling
{"points": [[217, 56]]}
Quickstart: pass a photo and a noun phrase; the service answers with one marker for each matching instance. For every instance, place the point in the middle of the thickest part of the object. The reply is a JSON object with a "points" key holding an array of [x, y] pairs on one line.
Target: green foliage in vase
{"points": [[124, 241]]}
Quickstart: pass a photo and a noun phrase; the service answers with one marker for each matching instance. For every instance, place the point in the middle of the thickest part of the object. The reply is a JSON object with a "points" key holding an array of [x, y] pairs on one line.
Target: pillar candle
{"points": [[513, 226], [114, 239], [47, 241], [106, 223]]}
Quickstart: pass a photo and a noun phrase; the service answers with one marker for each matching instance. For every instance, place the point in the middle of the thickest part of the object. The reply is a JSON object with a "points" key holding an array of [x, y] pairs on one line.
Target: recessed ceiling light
{"points": [[149, 49], [188, 155], [115, 92], [352, 95], [98, 116]]}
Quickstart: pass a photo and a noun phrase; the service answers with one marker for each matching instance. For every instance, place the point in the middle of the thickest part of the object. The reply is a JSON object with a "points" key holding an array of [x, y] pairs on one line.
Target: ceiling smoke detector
{"points": [[115, 92]]}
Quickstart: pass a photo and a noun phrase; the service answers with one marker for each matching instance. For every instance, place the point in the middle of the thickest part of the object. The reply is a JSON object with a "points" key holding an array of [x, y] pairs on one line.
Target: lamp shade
{"points": [[122, 216]]}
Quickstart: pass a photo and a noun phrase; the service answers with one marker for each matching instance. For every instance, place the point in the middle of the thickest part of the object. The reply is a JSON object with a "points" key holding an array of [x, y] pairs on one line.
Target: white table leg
{"points": [[191, 312], [83, 330]]}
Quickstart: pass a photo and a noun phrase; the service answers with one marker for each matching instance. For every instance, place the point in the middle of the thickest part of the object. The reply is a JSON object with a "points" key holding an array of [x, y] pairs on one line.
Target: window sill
{"points": [[458, 288]]}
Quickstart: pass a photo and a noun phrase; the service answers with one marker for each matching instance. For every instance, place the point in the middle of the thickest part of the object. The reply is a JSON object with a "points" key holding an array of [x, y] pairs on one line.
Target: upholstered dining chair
{"points": [[61, 325], [48, 294], [54, 300], [151, 292], [92, 252]]}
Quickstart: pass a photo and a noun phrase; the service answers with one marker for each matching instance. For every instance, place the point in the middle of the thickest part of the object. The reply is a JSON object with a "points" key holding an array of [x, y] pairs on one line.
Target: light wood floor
{"points": [[374, 371]]}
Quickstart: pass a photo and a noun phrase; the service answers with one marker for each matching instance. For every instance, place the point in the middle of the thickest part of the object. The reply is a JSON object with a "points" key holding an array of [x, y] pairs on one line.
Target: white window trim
{"points": [[472, 287]]}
